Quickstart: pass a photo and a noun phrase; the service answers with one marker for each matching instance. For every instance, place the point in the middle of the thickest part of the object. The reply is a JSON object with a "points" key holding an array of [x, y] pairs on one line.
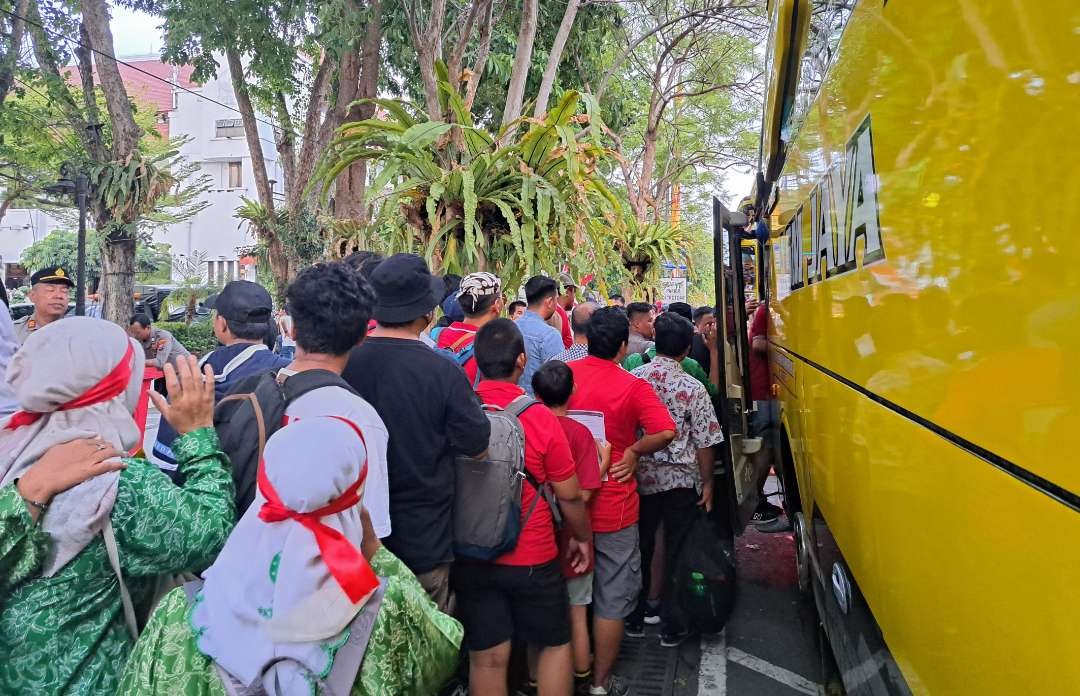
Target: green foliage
{"points": [[129, 189], [60, 247], [516, 202], [198, 337], [643, 247], [300, 232]]}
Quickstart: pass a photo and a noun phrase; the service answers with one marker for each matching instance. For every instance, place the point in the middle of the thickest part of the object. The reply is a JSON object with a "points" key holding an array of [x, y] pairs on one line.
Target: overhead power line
{"points": [[136, 68]]}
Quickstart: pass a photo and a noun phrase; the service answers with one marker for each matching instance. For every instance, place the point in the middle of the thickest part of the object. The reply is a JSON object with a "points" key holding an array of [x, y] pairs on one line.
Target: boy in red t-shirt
{"points": [[522, 594], [553, 384]]}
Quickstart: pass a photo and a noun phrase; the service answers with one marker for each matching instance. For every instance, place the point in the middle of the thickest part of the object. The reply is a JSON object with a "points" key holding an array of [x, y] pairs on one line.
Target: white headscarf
{"points": [[57, 364], [269, 594]]}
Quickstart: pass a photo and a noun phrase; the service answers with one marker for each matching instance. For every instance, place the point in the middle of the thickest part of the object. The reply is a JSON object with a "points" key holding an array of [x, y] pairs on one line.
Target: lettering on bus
{"points": [[841, 209]]}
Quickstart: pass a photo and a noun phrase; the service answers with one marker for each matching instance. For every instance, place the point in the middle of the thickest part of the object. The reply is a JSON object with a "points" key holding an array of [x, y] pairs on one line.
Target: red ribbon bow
{"points": [[111, 386], [346, 563]]}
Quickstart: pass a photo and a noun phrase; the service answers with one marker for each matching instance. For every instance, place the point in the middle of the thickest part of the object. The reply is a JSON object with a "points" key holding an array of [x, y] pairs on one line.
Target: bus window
{"points": [[827, 21]]}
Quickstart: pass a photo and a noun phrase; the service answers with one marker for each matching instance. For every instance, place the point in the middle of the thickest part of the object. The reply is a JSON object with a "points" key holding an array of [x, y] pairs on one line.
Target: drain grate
{"points": [[649, 668]]}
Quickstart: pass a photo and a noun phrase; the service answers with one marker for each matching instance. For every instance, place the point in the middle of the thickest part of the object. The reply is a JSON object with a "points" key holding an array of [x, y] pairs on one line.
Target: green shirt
{"points": [[65, 634], [413, 648], [689, 365]]}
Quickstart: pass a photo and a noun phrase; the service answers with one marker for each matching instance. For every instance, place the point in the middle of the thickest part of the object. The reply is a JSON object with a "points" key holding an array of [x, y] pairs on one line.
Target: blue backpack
{"points": [[455, 351]]}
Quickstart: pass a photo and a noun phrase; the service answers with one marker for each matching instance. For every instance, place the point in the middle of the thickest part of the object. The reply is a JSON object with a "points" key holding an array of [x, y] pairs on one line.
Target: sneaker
{"points": [[527, 689], [615, 687], [635, 629], [766, 512], [780, 524], [652, 615], [673, 639]]}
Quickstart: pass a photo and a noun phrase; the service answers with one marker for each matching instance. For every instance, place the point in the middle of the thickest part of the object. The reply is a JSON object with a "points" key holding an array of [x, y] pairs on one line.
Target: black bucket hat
{"points": [[404, 289]]}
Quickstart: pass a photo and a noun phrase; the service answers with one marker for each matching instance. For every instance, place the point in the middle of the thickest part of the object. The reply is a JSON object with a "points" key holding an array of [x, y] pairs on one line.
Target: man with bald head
{"points": [[579, 319]]}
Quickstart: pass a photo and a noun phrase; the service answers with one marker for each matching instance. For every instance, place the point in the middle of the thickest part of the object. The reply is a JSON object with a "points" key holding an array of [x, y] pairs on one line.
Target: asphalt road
{"points": [[770, 644]]}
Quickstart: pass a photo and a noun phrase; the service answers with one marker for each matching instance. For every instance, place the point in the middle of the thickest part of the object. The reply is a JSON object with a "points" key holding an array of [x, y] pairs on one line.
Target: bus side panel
{"points": [[971, 575], [964, 114]]}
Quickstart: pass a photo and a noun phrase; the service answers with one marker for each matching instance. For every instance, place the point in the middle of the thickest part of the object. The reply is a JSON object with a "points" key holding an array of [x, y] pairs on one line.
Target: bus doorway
{"points": [[730, 259]]}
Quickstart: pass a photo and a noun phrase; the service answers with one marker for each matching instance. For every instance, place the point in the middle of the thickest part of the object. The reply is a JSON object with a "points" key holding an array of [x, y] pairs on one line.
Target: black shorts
{"points": [[498, 602]]}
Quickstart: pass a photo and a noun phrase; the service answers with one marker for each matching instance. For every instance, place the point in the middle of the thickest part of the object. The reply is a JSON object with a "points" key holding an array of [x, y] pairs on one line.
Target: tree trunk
{"points": [[515, 93], [118, 260], [482, 52], [57, 87], [10, 59], [125, 132], [352, 184], [251, 128], [279, 264], [117, 285], [279, 268], [555, 57], [428, 40]]}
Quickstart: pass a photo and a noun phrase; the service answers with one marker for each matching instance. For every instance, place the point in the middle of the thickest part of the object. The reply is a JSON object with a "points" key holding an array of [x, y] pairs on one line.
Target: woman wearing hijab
{"points": [[303, 599], [62, 630]]}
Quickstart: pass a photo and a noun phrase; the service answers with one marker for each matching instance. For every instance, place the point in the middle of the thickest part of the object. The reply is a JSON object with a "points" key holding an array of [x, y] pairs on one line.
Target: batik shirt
{"points": [[696, 427]]}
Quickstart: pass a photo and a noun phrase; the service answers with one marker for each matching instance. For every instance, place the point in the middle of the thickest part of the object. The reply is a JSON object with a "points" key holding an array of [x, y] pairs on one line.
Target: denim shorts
{"points": [[765, 422]]}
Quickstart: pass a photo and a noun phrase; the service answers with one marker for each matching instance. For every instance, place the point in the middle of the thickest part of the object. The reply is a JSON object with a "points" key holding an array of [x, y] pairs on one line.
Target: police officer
{"points": [[49, 289], [161, 346]]}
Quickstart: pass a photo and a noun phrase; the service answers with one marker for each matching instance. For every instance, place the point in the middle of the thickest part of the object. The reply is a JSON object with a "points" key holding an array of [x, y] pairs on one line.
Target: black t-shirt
{"points": [[431, 414], [700, 352]]}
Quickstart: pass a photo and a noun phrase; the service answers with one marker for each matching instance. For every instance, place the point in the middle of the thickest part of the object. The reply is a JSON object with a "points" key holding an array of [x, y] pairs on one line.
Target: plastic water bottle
{"points": [[697, 586]]}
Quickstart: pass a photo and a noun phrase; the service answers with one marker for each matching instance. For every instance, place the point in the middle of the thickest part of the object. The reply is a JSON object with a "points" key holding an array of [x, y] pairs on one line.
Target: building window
{"points": [[220, 272], [229, 128], [236, 175]]}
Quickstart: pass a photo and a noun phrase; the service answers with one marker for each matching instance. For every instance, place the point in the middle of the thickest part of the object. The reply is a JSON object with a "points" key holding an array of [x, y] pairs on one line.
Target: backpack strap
{"points": [[260, 422], [519, 405], [516, 408], [460, 342], [113, 553], [296, 385]]}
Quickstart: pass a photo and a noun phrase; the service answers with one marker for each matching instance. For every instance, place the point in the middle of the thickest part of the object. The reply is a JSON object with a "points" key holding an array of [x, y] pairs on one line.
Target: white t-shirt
{"points": [[335, 401], [285, 329]]}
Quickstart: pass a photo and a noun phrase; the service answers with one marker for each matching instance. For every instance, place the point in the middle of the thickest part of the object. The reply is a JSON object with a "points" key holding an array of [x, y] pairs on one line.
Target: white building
{"points": [[218, 145], [206, 115]]}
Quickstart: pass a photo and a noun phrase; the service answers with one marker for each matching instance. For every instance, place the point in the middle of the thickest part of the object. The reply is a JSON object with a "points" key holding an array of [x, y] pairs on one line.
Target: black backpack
{"points": [[251, 412]]}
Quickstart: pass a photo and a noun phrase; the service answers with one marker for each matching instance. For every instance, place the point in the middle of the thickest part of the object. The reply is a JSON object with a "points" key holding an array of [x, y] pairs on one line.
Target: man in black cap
{"points": [[49, 290], [241, 320], [431, 414]]}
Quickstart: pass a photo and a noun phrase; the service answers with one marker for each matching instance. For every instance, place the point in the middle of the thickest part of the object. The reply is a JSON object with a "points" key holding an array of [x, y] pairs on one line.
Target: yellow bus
{"points": [[919, 172]]}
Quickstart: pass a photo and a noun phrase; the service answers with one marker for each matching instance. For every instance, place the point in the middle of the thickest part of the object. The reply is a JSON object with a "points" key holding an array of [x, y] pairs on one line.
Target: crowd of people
{"points": [[291, 529]]}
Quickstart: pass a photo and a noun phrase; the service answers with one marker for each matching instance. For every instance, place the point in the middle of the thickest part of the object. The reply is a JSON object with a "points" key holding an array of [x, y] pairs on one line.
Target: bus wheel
{"points": [[802, 553]]}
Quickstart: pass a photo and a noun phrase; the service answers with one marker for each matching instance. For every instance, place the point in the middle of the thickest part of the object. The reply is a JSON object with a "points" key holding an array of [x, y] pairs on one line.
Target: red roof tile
{"points": [[146, 89]]}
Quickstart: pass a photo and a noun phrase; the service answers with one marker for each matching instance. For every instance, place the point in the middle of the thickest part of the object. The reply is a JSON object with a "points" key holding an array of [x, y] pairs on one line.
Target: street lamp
{"points": [[75, 184]]}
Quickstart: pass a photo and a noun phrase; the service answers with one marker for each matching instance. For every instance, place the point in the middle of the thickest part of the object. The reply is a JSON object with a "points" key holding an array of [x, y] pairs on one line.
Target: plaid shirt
{"points": [[696, 428], [576, 351]]}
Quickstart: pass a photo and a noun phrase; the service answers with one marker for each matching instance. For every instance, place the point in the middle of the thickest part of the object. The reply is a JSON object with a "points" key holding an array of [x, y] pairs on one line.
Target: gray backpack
{"points": [[487, 497]]}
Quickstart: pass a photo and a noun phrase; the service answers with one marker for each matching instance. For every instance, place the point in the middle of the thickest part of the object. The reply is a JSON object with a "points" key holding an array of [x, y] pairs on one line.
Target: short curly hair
{"points": [[330, 305]]}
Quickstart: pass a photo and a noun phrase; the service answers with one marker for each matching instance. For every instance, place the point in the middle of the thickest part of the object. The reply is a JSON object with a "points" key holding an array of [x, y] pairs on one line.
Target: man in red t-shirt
{"points": [[629, 404], [522, 593], [480, 297], [763, 419], [564, 304], [553, 384]]}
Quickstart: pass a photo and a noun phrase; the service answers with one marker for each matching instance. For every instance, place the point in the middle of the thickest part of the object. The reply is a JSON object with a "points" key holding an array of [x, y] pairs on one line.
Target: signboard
{"points": [[673, 290]]}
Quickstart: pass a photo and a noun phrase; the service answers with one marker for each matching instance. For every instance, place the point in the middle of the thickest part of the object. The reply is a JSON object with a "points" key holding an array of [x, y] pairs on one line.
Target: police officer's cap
{"points": [[53, 275]]}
